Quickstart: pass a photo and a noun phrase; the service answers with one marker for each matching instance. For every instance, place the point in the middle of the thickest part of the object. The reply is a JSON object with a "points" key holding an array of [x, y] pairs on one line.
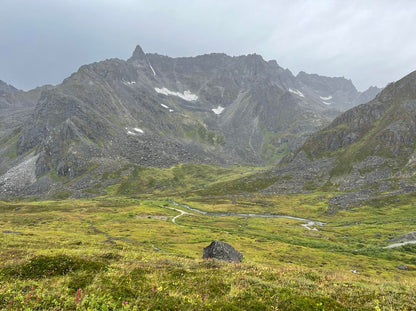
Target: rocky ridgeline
{"points": [[365, 152], [153, 110]]}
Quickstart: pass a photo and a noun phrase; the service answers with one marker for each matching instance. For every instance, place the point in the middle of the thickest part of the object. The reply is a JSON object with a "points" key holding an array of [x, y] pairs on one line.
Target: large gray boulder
{"points": [[222, 251]]}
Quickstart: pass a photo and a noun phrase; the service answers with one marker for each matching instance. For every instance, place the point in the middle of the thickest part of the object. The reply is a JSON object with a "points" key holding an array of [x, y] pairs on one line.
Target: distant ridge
{"points": [[368, 150]]}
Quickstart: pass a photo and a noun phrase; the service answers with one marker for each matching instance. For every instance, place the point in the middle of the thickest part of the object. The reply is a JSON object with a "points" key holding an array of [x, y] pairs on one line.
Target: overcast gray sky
{"points": [[371, 42]]}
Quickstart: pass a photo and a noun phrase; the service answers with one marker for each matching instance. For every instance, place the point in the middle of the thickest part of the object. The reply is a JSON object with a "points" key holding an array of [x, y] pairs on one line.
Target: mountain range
{"points": [[157, 111], [365, 152]]}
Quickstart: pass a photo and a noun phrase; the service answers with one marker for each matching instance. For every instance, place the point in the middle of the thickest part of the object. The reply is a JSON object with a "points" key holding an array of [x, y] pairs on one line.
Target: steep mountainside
{"points": [[338, 93], [154, 110], [368, 150], [16, 107], [13, 99]]}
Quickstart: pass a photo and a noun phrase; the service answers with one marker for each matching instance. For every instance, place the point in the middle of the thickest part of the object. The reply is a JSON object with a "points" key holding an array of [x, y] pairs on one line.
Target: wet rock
{"points": [[222, 251]]}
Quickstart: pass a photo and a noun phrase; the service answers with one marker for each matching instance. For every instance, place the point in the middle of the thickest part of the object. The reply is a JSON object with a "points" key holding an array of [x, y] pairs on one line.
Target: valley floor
{"points": [[146, 253]]}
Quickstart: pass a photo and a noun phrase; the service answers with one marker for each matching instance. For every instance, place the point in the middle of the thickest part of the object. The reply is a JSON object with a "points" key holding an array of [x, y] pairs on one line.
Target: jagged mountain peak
{"points": [[6, 87], [138, 53], [155, 110], [253, 56]]}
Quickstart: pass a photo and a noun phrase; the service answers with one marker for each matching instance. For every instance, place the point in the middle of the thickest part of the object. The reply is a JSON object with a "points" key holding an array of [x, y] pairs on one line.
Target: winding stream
{"points": [[308, 223]]}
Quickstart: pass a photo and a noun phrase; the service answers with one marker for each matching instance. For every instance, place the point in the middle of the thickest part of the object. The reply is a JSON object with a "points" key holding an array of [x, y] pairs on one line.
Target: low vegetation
{"points": [[119, 253]]}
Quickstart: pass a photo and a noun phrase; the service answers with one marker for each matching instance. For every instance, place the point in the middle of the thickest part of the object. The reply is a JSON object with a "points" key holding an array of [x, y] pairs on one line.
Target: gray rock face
{"points": [[16, 108], [368, 95], [222, 251], [384, 124], [10, 97], [363, 151], [154, 110], [336, 92]]}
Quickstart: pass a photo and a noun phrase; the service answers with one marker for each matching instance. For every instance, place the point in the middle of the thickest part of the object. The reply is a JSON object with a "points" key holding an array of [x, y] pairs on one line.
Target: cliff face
{"points": [[16, 107], [154, 110]]}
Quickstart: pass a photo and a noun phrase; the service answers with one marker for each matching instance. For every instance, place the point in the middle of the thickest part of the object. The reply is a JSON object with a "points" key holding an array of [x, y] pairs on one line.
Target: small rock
{"points": [[402, 267], [11, 232], [222, 251], [109, 241]]}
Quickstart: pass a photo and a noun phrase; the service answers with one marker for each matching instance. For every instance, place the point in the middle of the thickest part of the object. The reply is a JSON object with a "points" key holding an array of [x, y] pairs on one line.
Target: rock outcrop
{"points": [[222, 251]]}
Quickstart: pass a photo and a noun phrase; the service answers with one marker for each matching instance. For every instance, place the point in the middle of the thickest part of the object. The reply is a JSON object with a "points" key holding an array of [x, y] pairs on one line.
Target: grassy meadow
{"points": [[132, 253]]}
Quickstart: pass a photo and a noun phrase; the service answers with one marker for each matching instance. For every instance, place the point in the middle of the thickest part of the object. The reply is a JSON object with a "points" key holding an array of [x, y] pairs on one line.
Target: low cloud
{"points": [[370, 42]]}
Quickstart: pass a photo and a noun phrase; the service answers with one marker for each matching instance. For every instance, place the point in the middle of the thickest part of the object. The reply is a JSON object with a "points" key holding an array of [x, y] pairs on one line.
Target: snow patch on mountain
{"points": [[218, 110], [154, 73], [326, 98], [326, 103], [164, 106], [128, 82], [134, 131], [297, 92], [187, 95]]}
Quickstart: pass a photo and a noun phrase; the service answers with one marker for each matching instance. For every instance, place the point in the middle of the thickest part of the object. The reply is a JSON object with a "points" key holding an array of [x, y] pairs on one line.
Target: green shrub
{"points": [[48, 266]]}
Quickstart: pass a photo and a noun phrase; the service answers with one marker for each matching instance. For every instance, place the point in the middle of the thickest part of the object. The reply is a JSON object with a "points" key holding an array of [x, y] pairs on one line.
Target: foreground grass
{"points": [[127, 254]]}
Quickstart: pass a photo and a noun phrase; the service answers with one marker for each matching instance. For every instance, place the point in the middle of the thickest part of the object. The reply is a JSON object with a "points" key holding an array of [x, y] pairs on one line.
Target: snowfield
{"points": [[326, 98], [187, 95], [134, 131], [297, 92], [218, 110]]}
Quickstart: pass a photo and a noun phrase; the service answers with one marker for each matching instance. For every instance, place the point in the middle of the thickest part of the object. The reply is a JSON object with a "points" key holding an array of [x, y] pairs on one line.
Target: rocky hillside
{"points": [[154, 110], [16, 107], [368, 150]]}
